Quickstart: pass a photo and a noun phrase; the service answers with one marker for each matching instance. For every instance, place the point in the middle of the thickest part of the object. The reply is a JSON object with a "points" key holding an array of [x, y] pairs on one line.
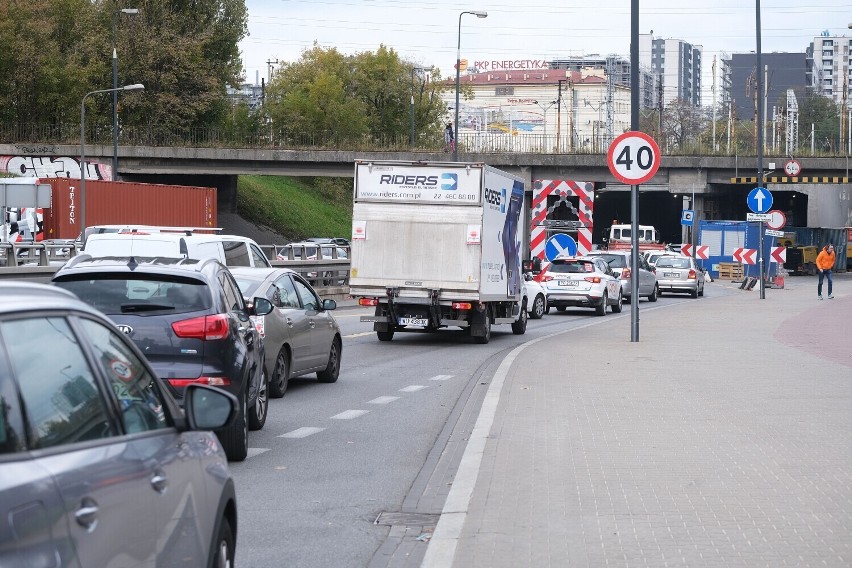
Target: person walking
{"points": [[825, 263], [449, 138]]}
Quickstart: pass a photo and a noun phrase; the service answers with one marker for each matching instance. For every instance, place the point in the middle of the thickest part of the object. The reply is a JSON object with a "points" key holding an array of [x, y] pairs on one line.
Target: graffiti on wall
{"points": [[53, 167]]}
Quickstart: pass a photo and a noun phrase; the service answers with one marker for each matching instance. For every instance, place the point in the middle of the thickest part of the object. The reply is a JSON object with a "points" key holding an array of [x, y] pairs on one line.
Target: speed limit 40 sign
{"points": [[633, 157]]}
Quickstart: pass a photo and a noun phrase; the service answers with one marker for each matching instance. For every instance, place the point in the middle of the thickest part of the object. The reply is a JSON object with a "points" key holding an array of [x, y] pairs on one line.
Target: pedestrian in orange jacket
{"points": [[824, 263]]}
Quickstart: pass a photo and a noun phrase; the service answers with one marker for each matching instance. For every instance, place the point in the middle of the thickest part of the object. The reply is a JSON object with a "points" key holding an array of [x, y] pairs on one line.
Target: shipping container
{"points": [[126, 203], [725, 237]]}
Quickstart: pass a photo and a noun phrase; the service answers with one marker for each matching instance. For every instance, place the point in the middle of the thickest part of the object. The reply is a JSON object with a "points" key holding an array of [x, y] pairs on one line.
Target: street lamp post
{"points": [[413, 69], [129, 12], [458, 77], [134, 87]]}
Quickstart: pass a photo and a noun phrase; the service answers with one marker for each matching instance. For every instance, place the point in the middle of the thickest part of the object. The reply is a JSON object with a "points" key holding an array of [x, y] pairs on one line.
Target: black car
{"points": [[191, 322], [98, 464]]}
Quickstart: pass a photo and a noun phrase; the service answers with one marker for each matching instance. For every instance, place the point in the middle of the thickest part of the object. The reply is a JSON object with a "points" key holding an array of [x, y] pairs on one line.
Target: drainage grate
{"points": [[407, 519]]}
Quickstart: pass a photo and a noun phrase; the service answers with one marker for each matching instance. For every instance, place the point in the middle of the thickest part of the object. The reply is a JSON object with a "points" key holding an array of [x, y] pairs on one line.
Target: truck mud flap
{"points": [[456, 323], [504, 320]]}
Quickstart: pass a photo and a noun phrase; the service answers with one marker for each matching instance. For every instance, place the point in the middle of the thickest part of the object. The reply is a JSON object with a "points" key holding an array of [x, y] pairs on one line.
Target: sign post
{"points": [[633, 158], [759, 200]]}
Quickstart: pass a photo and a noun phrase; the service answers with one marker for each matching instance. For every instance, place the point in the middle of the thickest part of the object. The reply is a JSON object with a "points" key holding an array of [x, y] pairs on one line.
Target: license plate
{"points": [[419, 322], [670, 274], [567, 283]]}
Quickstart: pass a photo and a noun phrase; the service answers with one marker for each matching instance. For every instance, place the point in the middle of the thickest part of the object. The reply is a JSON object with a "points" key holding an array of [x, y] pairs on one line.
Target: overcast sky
{"points": [[426, 33]]}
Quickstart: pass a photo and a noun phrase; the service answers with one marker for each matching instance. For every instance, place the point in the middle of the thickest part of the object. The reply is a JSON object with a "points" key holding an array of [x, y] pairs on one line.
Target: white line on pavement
{"points": [[349, 414], [413, 388], [383, 400], [301, 432], [441, 378]]}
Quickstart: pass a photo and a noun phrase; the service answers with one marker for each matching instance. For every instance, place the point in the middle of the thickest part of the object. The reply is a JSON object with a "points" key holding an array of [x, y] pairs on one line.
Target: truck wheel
{"points": [[485, 324], [384, 335], [601, 309], [520, 327]]}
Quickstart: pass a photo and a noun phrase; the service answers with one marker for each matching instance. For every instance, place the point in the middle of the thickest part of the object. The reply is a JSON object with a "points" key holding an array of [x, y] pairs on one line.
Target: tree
{"points": [[824, 115], [682, 124]]}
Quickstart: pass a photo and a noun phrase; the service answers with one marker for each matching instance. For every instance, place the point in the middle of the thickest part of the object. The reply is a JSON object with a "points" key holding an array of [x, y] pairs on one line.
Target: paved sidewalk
{"points": [[722, 438]]}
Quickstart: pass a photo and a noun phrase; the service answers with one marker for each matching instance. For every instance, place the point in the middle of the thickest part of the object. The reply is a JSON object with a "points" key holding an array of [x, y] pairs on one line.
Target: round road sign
{"points": [[778, 219], [633, 157], [792, 168]]}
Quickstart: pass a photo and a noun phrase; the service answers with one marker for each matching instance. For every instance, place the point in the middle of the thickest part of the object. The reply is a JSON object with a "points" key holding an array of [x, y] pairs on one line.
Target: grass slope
{"points": [[297, 207]]}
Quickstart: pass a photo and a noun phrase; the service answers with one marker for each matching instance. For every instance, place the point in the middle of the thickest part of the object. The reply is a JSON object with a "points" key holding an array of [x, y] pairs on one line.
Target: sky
{"points": [[426, 33]]}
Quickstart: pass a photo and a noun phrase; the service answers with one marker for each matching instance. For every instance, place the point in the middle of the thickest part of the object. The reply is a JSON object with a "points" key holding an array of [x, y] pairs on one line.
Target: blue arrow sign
{"points": [[560, 243], [759, 200]]}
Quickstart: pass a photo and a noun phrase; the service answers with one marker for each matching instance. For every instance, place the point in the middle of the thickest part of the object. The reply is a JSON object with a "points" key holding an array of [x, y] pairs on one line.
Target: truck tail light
{"points": [[368, 301], [692, 275], [462, 306], [206, 328], [593, 279], [212, 381]]}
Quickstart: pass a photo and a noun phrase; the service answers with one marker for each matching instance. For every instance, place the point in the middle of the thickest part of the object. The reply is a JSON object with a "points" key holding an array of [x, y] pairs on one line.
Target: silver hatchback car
{"points": [[99, 466], [621, 263], [680, 274]]}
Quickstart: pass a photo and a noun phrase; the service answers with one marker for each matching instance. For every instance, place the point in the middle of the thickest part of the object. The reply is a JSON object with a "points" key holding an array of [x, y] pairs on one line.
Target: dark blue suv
{"points": [[191, 322]]}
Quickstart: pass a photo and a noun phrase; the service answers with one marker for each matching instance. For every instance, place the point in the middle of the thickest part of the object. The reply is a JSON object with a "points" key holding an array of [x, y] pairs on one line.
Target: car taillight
{"points": [[625, 274], [543, 277], [462, 306], [368, 301], [206, 328], [692, 274], [593, 279], [212, 381]]}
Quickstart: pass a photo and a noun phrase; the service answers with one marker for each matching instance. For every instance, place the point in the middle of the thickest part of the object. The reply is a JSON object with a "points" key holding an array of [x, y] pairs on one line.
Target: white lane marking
{"points": [[383, 400], [256, 452], [413, 388], [349, 414], [441, 377], [359, 334], [302, 432]]}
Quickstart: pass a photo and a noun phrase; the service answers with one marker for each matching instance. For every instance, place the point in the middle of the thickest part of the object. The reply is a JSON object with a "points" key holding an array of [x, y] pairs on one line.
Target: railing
{"points": [[37, 138]]}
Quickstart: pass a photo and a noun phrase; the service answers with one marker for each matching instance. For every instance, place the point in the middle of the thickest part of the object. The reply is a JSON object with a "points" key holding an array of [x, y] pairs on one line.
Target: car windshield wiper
{"points": [[125, 308]]}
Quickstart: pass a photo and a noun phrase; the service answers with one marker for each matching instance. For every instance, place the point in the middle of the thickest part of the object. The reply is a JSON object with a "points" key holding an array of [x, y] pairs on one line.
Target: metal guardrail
{"points": [[39, 261]]}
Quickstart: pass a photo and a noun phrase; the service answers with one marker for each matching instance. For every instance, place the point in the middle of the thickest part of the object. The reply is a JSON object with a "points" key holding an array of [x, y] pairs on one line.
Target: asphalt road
{"points": [[347, 474]]}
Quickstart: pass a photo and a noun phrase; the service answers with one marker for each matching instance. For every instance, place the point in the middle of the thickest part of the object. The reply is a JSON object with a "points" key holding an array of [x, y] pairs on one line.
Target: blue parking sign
{"points": [[687, 217]]}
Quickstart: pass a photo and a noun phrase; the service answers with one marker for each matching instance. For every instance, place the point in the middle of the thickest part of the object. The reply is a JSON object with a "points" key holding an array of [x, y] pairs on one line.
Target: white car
{"points": [[652, 256], [586, 282], [536, 297]]}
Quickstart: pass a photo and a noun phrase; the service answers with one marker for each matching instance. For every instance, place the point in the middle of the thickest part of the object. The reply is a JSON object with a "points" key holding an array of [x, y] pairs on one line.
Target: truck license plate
{"points": [[419, 322]]}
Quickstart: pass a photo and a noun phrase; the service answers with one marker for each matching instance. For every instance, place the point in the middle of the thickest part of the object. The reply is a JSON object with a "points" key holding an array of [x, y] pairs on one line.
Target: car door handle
{"points": [[87, 515], [160, 482]]}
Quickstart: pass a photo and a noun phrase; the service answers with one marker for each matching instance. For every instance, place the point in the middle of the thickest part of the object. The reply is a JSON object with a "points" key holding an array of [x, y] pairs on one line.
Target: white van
{"points": [[230, 250]]}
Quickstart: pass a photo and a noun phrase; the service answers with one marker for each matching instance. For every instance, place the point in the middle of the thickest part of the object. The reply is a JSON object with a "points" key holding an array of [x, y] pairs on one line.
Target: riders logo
{"points": [[449, 182], [496, 198]]}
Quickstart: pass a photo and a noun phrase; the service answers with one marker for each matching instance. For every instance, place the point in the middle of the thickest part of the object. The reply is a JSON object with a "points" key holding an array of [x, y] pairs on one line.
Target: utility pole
{"points": [[571, 115], [714, 105], [559, 112]]}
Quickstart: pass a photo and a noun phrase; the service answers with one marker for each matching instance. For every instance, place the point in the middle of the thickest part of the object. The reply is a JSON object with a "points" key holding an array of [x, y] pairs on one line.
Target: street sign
{"points": [[633, 157], [759, 200], [701, 251], [774, 233], [687, 217], [744, 255], [792, 168], [762, 217], [778, 219], [778, 254], [686, 249], [560, 243]]}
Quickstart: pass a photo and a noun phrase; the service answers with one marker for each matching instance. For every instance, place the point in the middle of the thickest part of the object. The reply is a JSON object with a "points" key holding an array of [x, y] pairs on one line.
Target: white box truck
{"points": [[436, 245]]}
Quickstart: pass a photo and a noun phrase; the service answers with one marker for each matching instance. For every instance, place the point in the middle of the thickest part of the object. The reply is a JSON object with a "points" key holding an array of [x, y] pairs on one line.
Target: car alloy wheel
{"points": [[538, 307], [257, 417], [332, 370]]}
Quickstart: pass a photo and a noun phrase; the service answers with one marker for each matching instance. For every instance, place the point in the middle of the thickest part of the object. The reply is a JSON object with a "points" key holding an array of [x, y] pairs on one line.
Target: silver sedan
{"points": [[300, 335]]}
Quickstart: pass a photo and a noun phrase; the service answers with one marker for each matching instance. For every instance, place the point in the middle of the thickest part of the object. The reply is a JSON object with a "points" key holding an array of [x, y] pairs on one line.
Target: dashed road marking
{"points": [[383, 400], [413, 388], [349, 414], [441, 377], [302, 432], [256, 452]]}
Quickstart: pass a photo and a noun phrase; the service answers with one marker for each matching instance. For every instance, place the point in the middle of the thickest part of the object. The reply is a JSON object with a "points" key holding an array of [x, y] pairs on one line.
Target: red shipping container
{"points": [[126, 203]]}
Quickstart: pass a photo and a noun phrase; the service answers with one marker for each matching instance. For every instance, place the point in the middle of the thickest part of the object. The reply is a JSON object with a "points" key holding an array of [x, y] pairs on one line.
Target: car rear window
{"points": [[614, 260], [118, 294], [673, 263], [571, 266]]}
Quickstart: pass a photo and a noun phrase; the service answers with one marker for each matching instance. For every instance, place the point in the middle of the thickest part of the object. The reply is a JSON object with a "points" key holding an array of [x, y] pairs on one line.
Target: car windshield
{"points": [[571, 266], [614, 260], [117, 294], [673, 262]]}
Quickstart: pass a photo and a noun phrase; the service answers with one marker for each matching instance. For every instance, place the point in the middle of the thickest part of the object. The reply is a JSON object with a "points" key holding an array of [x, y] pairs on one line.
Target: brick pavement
{"points": [[721, 438]]}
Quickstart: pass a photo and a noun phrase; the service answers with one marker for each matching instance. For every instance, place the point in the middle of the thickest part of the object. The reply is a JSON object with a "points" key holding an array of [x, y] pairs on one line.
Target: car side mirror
{"points": [[329, 304], [208, 408], [260, 307]]}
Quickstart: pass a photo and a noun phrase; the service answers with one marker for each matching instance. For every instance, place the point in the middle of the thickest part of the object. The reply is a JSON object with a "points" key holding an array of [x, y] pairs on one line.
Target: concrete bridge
{"points": [[715, 185]]}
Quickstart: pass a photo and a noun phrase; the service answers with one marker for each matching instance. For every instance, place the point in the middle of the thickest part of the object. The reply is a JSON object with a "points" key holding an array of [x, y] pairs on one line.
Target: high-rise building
{"points": [[828, 66], [781, 71], [677, 65]]}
